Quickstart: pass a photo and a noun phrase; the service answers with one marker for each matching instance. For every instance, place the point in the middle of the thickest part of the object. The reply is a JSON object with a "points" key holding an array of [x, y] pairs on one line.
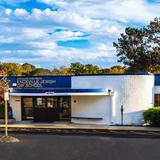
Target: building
{"points": [[85, 99]]}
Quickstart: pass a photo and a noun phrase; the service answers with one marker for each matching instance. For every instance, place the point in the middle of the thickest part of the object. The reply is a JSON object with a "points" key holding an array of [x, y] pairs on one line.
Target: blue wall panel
{"points": [[157, 80], [40, 82]]}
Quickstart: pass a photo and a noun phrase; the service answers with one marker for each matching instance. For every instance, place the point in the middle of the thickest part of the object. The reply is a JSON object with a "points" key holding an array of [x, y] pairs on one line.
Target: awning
{"points": [[59, 92]]}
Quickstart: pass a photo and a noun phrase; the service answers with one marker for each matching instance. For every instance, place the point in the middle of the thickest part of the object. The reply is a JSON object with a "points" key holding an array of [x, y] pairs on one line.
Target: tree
{"points": [[12, 69], [118, 69], [40, 72], [55, 71], [60, 71], [27, 68], [64, 70], [140, 48], [105, 71], [76, 68], [91, 69]]}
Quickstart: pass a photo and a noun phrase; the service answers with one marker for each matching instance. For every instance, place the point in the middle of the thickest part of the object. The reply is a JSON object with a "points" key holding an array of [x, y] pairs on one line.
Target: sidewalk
{"points": [[72, 126]]}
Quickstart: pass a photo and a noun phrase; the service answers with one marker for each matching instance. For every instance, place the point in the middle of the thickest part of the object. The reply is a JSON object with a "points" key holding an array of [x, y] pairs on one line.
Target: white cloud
{"points": [[32, 32], [55, 2], [20, 12], [66, 34], [121, 10], [4, 39], [8, 11], [45, 45]]}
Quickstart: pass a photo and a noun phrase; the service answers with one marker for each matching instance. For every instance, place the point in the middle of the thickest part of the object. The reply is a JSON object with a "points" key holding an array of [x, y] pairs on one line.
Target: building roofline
{"points": [[124, 74]]}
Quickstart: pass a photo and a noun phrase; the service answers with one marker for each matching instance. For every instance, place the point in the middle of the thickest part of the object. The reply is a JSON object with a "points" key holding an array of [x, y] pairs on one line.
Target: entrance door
{"points": [[52, 109], [46, 109], [65, 108], [39, 109]]}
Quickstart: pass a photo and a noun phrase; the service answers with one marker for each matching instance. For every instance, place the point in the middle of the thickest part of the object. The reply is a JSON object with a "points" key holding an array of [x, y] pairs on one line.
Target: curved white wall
{"points": [[138, 96], [134, 92]]}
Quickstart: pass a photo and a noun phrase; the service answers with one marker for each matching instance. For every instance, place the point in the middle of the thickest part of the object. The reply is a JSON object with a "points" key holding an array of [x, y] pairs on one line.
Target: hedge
{"points": [[152, 116]]}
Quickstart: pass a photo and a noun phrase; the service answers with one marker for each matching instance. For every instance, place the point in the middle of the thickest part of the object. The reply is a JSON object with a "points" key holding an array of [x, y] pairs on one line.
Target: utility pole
{"points": [[122, 109]]}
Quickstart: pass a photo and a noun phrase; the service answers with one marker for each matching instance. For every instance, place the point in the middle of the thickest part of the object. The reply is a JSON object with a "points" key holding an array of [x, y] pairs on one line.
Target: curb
{"points": [[87, 128]]}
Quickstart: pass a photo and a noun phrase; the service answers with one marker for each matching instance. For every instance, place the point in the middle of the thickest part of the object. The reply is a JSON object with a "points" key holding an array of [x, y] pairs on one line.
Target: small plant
{"points": [[152, 116]]}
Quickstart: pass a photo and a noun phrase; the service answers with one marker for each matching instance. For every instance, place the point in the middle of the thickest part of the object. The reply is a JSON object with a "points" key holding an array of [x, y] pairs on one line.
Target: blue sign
{"points": [[31, 82], [157, 79]]}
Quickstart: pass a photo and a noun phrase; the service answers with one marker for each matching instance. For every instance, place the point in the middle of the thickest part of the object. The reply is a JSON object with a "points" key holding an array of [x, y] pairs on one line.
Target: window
{"points": [[52, 102], [27, 102], [40, 102], [46, 108], [157, 100]]}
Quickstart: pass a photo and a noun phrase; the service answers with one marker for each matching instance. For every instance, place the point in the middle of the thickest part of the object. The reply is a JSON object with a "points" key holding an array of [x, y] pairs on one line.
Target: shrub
{"points": [[152, 116]]}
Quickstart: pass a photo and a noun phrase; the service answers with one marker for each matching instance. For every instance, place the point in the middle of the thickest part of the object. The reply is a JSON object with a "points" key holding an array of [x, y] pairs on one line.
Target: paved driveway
{"points": [[81, 147]]}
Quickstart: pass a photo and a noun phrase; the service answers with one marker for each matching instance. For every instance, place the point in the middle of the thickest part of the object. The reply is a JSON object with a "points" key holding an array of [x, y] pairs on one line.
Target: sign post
{"points": [[6, 98], [122, 109]]}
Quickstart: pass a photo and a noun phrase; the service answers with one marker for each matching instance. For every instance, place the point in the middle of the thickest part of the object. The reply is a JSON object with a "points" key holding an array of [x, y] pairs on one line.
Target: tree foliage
{"points": [[12, 69], [26, 69], [40, 71], [76, 68], [139, 48]]}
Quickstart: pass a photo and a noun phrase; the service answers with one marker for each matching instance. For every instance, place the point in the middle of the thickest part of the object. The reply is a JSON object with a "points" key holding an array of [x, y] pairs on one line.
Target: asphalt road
{"points": [[81, 147]]}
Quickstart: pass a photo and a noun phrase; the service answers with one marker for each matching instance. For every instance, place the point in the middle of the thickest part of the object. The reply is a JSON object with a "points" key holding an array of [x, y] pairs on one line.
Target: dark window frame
{"points": [[33, 101], [157, 100]]}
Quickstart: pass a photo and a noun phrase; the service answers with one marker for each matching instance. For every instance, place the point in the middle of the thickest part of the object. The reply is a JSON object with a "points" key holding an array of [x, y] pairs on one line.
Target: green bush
{"points": [[152, 116]]}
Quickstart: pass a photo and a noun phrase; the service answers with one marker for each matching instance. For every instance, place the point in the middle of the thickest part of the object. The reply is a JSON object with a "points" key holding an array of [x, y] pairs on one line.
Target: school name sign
{"points": [[40, 82], [33, 82]]}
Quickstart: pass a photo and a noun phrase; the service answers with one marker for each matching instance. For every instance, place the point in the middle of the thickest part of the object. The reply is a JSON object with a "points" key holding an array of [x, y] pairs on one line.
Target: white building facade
{"points": [[84, 99]]}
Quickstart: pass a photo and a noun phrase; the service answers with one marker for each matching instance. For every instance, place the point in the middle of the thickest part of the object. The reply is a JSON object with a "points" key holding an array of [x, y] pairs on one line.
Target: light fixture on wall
{"points": [[109, 92]]}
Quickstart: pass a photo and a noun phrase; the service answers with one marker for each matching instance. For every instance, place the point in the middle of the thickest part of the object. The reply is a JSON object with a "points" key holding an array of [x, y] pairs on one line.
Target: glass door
{"points": [[52, 109], [46, 109], [65, 108], [52, 102], [27, 108], [40, 102], [39, 109]]}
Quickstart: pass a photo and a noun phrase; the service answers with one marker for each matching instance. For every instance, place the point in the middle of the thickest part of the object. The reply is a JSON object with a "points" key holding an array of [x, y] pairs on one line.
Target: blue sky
{"points": [[49, 33]]}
